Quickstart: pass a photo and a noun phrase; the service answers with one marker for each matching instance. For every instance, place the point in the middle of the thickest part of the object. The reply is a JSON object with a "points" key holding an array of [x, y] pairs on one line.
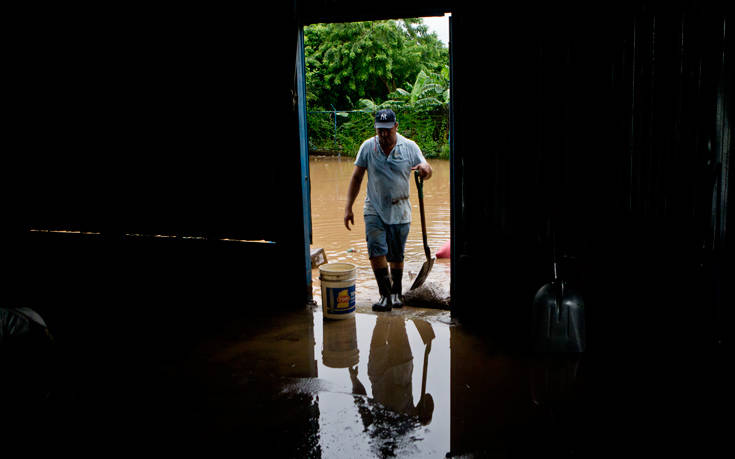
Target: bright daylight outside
{"points": [[352, 71]]}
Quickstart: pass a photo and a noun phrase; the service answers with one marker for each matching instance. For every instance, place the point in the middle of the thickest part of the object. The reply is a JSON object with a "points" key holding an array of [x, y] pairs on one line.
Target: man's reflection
{"points": [[390, 369]]}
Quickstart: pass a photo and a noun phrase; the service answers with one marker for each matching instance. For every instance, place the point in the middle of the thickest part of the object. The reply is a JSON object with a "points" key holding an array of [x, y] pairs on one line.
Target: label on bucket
{"points": [[340, 300]]}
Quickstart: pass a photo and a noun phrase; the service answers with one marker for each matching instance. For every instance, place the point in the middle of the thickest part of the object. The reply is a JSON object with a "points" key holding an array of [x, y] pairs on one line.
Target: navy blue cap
{"points": [[385, 119]]}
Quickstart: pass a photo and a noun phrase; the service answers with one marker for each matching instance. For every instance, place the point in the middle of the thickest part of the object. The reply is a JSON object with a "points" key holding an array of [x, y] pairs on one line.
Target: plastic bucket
{"points": [[338, 290]]}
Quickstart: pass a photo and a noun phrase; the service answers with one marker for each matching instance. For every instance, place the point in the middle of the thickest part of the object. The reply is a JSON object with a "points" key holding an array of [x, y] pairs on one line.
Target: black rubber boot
{"points": [[396, 291], [384, 286]]}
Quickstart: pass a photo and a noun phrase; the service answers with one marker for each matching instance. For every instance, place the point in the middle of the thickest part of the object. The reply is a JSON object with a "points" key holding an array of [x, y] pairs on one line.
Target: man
{"points": [[389, 159]]}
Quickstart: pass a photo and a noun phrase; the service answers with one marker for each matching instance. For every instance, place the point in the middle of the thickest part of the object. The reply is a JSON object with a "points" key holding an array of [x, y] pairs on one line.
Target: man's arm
{"points": [[357, 174], [423, 167]]}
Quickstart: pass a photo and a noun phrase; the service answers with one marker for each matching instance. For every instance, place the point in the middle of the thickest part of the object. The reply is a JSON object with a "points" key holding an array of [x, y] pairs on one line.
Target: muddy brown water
{"points": [[373, 376], [330, 176], [407, 383]]}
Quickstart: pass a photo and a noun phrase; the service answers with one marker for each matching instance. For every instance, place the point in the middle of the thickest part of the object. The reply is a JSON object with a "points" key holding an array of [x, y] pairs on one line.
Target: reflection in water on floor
{"points": [[407, 383], [381, 400]]}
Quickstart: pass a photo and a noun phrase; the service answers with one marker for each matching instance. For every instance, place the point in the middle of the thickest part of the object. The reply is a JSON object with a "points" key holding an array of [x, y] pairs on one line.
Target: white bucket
{"points": [[338, 290]]}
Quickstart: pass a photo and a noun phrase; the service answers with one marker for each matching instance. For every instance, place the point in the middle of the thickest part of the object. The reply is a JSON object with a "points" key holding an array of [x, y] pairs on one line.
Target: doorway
{"points": [[331, 132]]}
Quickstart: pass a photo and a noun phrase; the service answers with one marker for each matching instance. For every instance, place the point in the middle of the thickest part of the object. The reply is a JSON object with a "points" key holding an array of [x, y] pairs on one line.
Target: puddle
{"points": [[384, 385], [408, 383]]}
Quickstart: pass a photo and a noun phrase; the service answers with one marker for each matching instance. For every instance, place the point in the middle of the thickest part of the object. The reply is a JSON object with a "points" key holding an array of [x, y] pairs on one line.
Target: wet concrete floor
{"points": [[415, 383], [408, 383], [376, 385]]}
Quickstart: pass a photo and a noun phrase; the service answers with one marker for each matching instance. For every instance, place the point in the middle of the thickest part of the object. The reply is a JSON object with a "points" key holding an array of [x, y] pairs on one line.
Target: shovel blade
{"points": [[559, 322], [423, 274]]}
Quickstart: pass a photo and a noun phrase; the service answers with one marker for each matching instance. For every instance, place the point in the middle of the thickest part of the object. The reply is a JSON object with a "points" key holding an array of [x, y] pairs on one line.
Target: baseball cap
{"points": [[385, 119]]}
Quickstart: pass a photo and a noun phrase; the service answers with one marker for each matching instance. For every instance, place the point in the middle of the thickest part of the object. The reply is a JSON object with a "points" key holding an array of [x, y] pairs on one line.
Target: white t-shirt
{"points": [[388, 178]]}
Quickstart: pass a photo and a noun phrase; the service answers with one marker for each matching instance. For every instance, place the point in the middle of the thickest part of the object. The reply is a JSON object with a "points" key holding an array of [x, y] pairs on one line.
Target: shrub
{"points": [[428, 127]]}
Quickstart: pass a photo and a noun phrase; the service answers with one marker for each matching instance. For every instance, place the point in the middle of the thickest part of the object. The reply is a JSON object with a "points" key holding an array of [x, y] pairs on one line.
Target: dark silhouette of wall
{"points": [[603, 128]]}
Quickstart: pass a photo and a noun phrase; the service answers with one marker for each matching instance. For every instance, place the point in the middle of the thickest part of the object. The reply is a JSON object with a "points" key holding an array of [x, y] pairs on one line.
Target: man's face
{"points": [[387, 135]]}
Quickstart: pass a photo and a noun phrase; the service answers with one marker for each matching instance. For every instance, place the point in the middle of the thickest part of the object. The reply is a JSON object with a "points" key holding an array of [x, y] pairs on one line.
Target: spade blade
{"points": [[423, 274]]}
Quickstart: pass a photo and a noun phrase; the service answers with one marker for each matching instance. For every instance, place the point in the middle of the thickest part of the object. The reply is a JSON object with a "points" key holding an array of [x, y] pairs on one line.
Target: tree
{"points": [[429, 89], [347, 62], [373, 65]]}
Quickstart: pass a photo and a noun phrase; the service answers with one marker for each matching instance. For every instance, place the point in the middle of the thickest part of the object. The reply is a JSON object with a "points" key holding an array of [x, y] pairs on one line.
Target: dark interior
{"points": [[604, 130]]}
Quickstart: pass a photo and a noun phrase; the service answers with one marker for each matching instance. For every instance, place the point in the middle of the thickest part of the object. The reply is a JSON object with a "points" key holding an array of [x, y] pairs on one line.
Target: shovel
{"points": [[558, 315], [429, 263], [425, 406]]}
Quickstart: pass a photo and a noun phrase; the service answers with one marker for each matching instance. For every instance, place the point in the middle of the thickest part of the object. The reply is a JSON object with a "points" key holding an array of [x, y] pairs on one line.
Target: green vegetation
{"points": [[364, 66]]}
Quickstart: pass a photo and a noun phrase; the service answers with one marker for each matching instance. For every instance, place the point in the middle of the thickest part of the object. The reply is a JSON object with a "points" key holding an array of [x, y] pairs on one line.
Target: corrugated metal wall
{"points": [[156, 121], [609, 128], [159, 121]]}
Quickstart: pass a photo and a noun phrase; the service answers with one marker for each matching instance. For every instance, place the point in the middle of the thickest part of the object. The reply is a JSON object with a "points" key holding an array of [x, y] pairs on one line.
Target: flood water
{"points": [[330, 176], [383, 386], [409, 383]]}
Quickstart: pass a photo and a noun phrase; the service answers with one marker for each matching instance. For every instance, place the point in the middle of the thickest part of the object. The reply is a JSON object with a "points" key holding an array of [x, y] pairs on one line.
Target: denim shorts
{"points": [[388, 240]]}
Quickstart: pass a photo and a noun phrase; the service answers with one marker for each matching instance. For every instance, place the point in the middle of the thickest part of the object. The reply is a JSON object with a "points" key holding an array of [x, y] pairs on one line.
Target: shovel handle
{"points": [[426, 366], [420, 189]]}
